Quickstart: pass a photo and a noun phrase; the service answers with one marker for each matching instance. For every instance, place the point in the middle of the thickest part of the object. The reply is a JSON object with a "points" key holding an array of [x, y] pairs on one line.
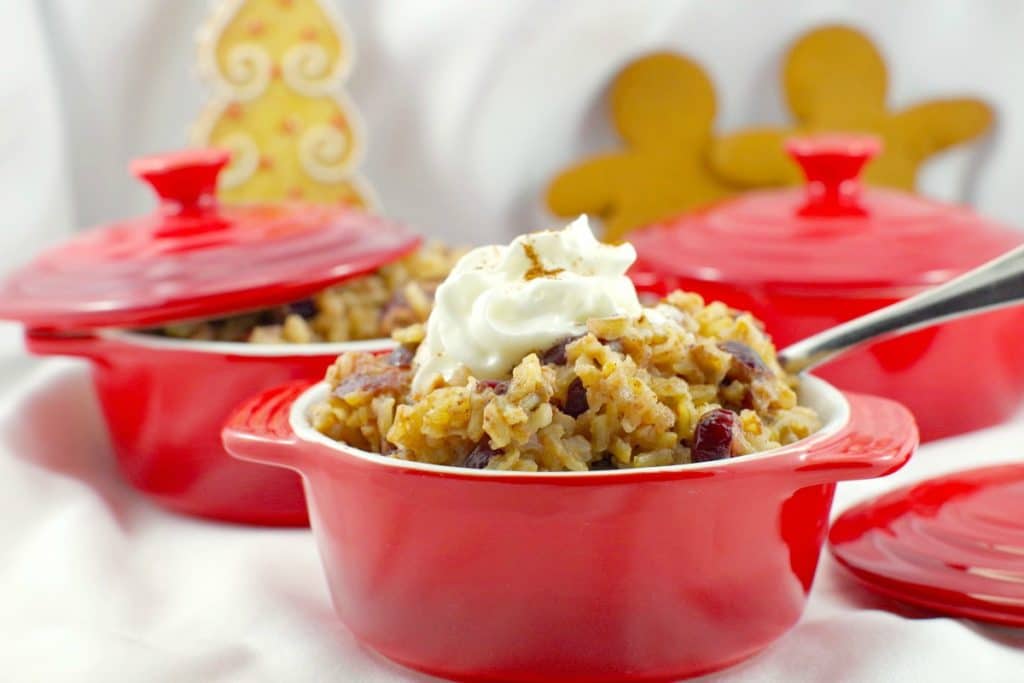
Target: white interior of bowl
{"points": [[815, 393], [224, 348]]}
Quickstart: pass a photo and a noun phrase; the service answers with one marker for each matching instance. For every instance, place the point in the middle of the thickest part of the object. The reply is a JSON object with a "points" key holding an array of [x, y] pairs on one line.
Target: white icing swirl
{"points": [[247, 68], [309, 71], [245, 159], [501, 303], [325, 153]]}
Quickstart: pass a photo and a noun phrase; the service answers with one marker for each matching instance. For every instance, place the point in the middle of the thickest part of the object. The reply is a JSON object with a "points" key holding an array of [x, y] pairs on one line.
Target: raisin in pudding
{"points": [[367, 307], [539, 356]]}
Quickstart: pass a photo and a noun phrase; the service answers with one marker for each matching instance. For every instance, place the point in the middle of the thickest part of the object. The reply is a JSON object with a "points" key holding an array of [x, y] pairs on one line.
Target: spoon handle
{"points": [[995, 284]]}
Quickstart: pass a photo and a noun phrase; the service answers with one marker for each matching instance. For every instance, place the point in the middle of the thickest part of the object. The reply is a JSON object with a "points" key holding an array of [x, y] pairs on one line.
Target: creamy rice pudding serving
{"points": [[538, 356], [366, 307]]}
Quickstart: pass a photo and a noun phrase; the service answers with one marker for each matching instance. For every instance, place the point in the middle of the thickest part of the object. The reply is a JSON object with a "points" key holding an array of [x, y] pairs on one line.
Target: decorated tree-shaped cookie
{"points": [[277, 69]]}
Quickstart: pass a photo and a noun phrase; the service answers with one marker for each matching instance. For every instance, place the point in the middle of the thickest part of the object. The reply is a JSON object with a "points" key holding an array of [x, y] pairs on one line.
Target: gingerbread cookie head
{"points": [[663, 99], [834, 73], [835, 80], [663, 108]]}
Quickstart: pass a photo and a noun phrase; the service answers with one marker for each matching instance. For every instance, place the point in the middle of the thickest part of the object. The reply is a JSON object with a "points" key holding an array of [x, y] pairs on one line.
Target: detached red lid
{"points": [[193, 258], [831, 233]]}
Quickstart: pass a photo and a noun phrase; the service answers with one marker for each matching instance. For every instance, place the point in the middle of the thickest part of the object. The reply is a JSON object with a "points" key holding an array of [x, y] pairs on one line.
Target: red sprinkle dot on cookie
{"points": [[289, 126]]}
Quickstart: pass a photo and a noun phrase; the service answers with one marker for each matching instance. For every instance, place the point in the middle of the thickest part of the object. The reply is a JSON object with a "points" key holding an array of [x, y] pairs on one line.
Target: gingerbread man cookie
{"points": [[663, 107], [277, 69], [835, 80]]}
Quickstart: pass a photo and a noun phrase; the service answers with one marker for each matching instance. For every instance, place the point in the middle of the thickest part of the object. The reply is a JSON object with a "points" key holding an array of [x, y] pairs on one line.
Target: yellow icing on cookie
{"points": [[835, 80], [277, 68], [663, 107]]}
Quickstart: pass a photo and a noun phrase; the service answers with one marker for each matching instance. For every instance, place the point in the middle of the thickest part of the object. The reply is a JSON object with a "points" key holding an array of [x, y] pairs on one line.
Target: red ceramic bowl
{"points": [[805, 260], [649, 574], [928, 371], [165, 402]]}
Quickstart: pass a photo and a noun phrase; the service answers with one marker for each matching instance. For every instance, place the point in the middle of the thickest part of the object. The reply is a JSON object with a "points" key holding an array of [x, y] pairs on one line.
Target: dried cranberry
{"points": [[556, 354], [747, 364], [480, 456], [397, 314], [498, 386], [576, 399], [272, 316], [306, 308], [400, 357], [390, 380], [712, 440]]}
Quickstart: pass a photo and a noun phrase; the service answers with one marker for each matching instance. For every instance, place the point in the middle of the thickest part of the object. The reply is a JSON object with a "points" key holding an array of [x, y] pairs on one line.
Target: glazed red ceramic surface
{"points": [[809, 259], [954, 544], [166, 400], [645, 574], [193, 258]]}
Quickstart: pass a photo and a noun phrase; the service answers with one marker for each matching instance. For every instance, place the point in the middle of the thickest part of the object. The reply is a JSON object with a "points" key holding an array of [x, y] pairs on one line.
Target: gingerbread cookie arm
{"points": [[940, 124], [590, 187], [754, 158], [618, 226]]}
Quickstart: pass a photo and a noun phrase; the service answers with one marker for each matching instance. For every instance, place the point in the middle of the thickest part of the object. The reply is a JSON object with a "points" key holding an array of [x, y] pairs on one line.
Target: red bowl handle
{"points": [[260, 432], [45, 343], [879, 438]]}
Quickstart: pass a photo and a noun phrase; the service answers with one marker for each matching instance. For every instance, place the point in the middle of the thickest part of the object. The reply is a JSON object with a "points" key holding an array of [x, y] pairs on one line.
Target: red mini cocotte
{"points": [[165, 400], [806, 260], [640, 574]]}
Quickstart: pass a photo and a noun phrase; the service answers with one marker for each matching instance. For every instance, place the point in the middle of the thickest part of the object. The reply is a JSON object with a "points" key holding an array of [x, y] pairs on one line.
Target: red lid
{"points": [[952, 544], [833, 232], [193, 258]]}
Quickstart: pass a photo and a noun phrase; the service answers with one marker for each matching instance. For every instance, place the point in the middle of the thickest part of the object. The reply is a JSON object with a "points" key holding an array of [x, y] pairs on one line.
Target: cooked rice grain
{"points": [[647, 382], [367, 307]]}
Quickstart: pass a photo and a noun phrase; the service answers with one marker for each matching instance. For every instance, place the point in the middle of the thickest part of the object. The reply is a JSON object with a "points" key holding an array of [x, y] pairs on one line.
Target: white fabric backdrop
{"points": [[471, 108]]}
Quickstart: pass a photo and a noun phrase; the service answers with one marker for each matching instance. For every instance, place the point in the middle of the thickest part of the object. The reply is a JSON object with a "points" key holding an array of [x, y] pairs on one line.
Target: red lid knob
{"points": [[832, 165], [185, 181]]}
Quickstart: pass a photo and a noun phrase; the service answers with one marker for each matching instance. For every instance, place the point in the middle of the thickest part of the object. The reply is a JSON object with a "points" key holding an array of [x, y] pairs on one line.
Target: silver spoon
{"points": [[996, 284]]}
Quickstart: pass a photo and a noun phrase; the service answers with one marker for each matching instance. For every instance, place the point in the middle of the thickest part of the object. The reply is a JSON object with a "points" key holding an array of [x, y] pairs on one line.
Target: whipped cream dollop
{"points": [[501, 303]]}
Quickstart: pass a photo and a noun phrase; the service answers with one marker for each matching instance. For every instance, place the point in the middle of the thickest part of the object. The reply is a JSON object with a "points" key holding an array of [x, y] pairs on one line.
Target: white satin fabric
{"points": [[471, 107]]}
